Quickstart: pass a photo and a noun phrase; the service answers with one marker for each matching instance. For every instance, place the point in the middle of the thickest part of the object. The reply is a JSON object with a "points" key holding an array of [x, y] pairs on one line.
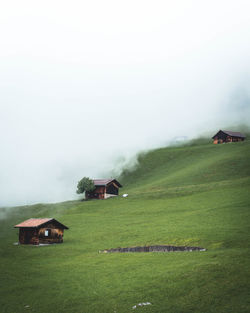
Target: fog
{"points": [[86, 85]]}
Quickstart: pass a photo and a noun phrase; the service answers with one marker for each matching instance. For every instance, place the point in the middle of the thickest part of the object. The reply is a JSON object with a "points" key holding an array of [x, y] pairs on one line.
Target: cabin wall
{"points": [[112, 189], [228, 139], [55, 234], [220, 138], [28, 236], [236, 139], [97, 193], [217, 141]]}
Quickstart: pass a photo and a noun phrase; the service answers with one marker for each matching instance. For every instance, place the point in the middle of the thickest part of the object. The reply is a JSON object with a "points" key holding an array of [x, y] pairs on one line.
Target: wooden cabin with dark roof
{"points": [[37, 231], [224, 136], [104, 188]]}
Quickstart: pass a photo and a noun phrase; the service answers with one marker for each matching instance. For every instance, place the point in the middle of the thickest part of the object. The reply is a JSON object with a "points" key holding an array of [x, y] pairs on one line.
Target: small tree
{"points": [[85, 184]]}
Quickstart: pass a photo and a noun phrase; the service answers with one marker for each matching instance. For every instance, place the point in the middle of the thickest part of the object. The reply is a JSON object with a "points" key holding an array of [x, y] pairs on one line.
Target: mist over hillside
{"points": [[195, 195], [91, 90]]}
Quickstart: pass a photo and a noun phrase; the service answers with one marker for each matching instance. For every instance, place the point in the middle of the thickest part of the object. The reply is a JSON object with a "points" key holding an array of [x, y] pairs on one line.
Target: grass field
{"points": [[194, 195]]}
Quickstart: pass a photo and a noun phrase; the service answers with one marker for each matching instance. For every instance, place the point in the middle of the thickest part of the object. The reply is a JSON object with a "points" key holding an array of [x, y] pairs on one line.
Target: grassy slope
{"points": [[194, 195]]}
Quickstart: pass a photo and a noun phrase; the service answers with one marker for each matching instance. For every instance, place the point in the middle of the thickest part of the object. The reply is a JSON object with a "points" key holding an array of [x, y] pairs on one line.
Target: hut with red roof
{"points": [[40, 231], [104, 188], [224, 136]]}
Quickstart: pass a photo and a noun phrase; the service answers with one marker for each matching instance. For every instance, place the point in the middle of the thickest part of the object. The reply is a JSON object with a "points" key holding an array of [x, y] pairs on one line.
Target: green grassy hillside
{"points": [[197, 195]]}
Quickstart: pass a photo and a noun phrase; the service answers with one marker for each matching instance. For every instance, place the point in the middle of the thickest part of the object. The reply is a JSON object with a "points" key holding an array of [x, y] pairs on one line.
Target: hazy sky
{"points": [[85, 85]]}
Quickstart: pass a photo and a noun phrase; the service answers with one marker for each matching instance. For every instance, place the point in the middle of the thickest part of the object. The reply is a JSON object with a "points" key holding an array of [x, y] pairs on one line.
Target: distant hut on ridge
{"points": [[104, 188], [224, 136]]}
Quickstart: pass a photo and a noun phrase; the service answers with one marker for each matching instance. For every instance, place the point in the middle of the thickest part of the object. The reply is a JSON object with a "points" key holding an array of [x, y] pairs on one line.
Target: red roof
{"points": [[35, 222], [105, 182]]}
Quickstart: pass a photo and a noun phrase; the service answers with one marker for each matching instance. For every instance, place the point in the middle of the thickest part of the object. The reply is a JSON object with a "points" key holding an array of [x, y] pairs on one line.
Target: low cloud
{"points": [[83, 93]]}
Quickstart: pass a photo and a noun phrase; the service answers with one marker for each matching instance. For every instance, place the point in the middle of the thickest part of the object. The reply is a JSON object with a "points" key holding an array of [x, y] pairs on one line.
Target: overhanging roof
{"points": [[36, 222], [105, 182], [234, 134]]}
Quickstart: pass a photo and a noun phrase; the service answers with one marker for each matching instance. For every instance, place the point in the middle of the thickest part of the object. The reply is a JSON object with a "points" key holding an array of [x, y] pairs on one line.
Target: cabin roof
{"points": [[36, 222], [230, 133], [105, 182], [234, 134]]}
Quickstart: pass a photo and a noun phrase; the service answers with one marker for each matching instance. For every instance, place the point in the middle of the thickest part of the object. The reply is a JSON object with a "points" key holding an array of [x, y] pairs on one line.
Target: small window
{"points": [[47, 233]]}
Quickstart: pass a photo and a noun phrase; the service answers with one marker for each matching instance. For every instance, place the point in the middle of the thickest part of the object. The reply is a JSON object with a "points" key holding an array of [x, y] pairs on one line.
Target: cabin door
{"points": [[27, 236]]}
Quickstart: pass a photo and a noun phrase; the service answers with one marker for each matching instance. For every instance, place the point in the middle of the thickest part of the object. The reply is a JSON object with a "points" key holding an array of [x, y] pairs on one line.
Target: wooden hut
{"points": [[40, 230], [104, 188], [224, 136]]}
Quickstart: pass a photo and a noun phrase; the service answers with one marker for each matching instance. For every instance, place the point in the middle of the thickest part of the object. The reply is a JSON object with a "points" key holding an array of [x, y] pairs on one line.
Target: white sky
{"points": [[85, 83]]}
